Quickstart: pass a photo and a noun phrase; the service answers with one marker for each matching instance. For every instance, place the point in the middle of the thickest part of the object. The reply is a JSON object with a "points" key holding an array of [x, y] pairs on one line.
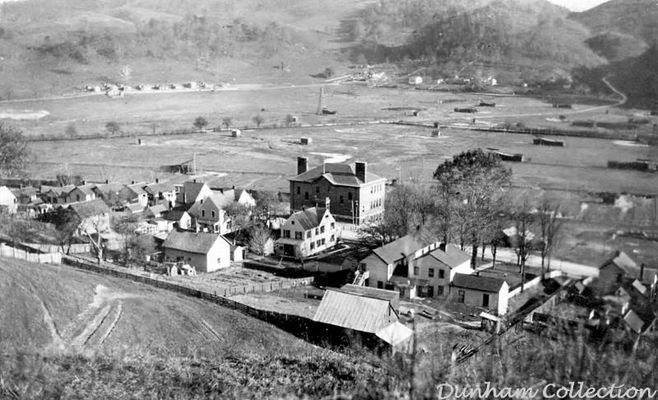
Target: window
{"points": [[317, 189], [323, 242], [322, 229], [308, 234], [380, 285], [430, 272], [439, 290], [203, 213], [430, 291], [460, 296], [485, 300], [312, 245], [305, 195], [341, 200], [442, 274], [286, 233], [212, 213], [77, 197], [332, 238], [416, 272], [299, 190], [299, 235], [349, 196], [333, 225], [317, 232], [318, 243]]}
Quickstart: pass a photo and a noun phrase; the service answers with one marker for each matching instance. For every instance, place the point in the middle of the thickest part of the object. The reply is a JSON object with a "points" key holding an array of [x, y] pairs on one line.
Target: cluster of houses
{"points": [[190, 218]]}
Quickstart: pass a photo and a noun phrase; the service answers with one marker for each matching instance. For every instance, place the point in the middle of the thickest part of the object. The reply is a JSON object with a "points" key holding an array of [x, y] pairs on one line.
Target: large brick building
{"points": [[355, 194]]}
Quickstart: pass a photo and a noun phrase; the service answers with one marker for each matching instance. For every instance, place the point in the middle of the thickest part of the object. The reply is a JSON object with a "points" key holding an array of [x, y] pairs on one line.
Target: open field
{"points": [[66, 309]]}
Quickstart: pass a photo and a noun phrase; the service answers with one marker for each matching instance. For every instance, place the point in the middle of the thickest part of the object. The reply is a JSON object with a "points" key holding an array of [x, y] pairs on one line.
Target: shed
{"points": [[236, 133], [206, 251], [306, 140]]}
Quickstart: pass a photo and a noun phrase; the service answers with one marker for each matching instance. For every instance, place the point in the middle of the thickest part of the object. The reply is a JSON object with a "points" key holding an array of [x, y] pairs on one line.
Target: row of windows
{"points": [[212, 213], [300, 235], [322, 242], [341, 199], [376, 188], [423, 291], [430, 273], [376, 203]]}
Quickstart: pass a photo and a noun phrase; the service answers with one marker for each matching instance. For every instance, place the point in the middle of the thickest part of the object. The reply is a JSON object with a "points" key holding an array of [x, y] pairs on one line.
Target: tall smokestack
{"points": [[361, 169], [302, 165]]}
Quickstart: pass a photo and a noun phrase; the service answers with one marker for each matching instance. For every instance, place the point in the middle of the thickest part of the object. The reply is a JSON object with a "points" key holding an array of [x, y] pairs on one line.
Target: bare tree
{"points": [[524, 219], [259, 236], [227, 121], [289, 120], [550, 227], [200, 123], [113, 127], [258, 120]]}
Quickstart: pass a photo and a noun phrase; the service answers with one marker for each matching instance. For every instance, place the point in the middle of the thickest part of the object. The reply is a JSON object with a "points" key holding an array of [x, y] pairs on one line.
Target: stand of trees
{"points": [[471, 204]]}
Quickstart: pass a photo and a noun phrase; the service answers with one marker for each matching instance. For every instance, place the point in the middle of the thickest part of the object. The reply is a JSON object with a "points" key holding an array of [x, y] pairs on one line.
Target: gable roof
{"points": [[309, 218], [137, 188], [337, 174], [213, 199], [86, 209], [452, 256], [402, 247], [623, 261], [112, 187], [395, 333], [175, 215], [192, 190], [86, 189], [4, 190], [192, 242], [160, 187], [481, 283], [57, 190], [24, 191], [356, 312], [157, 209]]}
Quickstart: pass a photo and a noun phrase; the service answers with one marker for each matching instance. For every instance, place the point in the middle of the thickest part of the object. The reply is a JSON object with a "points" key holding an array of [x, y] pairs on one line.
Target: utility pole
{"points": [[320, 101]]}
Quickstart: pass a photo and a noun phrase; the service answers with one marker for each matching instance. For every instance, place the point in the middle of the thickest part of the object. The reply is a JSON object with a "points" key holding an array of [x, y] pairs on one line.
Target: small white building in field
{"points": [[415, 80]]}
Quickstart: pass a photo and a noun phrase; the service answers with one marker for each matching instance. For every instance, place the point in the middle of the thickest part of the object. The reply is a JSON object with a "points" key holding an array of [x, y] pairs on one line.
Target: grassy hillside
{"points": [[59, 45], [46, 306], [530, 36], [636, 18]]}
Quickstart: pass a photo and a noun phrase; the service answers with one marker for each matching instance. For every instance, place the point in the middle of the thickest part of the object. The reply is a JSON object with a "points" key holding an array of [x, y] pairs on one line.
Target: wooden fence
{"points": [[305, 328], [79, 248], [20, 254]]}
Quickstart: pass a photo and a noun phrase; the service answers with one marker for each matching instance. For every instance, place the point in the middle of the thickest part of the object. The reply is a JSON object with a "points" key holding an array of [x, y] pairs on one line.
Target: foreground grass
{"points": [[29, 375]]}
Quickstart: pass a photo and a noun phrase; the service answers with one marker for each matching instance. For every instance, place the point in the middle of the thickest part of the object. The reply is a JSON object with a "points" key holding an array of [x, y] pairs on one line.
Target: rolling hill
{"points": [[625, 32], [66, 333]]}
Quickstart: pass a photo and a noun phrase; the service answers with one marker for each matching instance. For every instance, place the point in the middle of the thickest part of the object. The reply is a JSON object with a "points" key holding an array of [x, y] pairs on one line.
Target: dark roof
{"points": [[112, 187], [174, 215], [481, 283], [25, 191], [58, 190], [337, 174], [161, 187], [192, 190], [158, 209], [623, 261], [90, 208], [309, 218], [452, 256], [192, 242], [402, 247], [138, 188], [86, 189], [356, 312]]}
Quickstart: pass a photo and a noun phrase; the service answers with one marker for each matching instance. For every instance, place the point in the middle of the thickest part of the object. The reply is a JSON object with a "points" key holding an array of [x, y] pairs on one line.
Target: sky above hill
{"points": [[578, 5]]}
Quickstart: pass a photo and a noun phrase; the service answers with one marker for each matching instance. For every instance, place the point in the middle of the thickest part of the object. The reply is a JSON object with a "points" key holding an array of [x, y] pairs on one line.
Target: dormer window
{"points": [[203, 213]]}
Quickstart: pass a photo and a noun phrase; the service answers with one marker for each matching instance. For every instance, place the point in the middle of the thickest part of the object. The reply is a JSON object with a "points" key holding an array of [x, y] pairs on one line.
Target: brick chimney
{"points": [[302, 165], [361, 168]]}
